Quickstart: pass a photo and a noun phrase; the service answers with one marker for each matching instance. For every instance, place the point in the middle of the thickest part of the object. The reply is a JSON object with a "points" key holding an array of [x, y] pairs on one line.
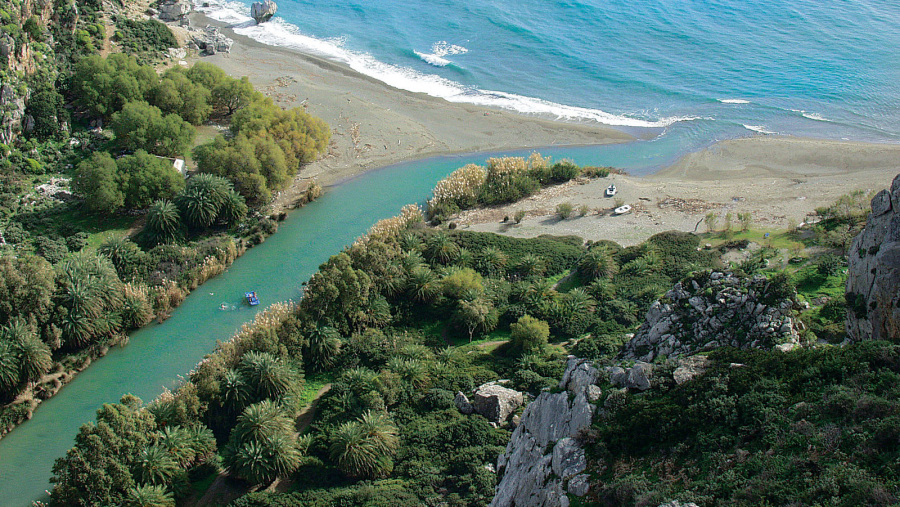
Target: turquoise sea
{"points": [[693, 71]]}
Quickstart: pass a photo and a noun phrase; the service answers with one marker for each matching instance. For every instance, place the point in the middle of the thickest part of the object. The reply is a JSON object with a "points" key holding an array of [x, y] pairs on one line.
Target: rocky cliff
{"points": [[712, 310], [544, 460], [873, 280]]}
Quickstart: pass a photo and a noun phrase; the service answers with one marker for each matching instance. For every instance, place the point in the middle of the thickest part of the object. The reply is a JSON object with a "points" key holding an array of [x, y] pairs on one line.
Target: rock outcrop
{"points": [[495, 402], [12, 111], [174, 11], [873, 278], [714, 310], [263, 11], [210, 41], [544, 459]]}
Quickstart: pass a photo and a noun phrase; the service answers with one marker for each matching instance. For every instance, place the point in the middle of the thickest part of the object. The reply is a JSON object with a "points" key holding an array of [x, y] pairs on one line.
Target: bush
{"points": [[563, 171], [519, 215], [564, 210], [529, 334]]}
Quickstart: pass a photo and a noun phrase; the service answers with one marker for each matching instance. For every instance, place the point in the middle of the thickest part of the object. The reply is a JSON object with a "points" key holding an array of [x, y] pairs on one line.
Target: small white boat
{"points": [[611, 190], [621, 210]]}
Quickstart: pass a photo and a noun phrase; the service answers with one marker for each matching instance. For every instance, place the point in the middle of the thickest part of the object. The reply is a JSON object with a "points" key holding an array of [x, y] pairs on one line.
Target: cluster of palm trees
{"points": [[205, 201], [23, 357]]}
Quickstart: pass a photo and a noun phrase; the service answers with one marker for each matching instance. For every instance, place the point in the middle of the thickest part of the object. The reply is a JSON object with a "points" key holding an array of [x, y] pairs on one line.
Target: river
{"points": [[158, 355]]}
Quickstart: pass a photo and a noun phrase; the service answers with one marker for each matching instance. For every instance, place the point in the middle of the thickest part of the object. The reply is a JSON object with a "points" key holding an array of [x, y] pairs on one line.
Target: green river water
{"points": [[158, 355]]}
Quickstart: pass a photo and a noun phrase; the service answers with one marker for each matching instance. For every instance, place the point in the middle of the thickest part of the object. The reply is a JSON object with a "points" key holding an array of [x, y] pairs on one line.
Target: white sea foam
{"points": [[734, 101], [812, 116], [759, 128], [433, 59], [277, 32], [438, 51]]}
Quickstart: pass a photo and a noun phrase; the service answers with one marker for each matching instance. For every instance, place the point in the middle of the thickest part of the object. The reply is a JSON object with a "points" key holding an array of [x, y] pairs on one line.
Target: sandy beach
{"points": [[374, 125], [778, 179]]}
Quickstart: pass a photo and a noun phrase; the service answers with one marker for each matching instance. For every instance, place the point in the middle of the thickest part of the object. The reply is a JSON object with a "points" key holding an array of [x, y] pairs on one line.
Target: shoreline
{"points": [[779, 179], [375, 125]]}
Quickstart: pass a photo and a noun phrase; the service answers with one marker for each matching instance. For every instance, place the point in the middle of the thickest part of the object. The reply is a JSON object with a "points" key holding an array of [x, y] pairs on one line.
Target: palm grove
{"points": [[60, 302]]}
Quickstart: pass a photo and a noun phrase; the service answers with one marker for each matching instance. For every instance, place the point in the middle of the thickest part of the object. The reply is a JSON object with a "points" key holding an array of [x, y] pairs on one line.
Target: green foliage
{"points": [[105, 85], [47, 107], [89, 299], [97, 470], [529, 334], [138, 125], [262, 444], [363, 448], [96, 178], [24, 358], [832, 409], [207, 199], [163, 222], [557, 255], [564, 210], [144, 178], [140, 36]]}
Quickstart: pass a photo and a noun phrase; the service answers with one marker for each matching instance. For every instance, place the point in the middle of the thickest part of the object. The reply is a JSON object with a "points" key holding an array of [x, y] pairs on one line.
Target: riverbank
{"points": [[374, 125], [779, 180]]}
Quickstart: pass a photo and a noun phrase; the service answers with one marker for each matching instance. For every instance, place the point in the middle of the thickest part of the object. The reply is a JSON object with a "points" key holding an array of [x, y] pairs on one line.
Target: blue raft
{"points": [[251, 298]]}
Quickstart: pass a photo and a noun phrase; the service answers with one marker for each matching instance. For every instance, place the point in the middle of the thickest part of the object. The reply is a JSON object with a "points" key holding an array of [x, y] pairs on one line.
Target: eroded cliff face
{"points": [[873, 279], [544, 459]]}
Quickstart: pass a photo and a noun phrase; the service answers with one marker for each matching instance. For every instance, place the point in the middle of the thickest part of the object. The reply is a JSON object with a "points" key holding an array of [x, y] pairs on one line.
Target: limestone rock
{"points": [[568, 458], [639, 376], [578, 485], [550, 419], [690, 368], [174, 11], [714, 310], [463, 404], [873, 277], [263, 11], [495, 402], [594, 393], [676, 503], [579, 375], [617, 376]]}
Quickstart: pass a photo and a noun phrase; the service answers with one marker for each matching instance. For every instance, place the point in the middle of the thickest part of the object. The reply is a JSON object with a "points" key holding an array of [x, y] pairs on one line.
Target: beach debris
{"points": [[687, 205], [263, 11]]}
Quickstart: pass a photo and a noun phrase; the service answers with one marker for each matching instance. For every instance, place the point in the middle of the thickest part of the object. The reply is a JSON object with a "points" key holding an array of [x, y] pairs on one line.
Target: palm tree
{"points": [[235, 391], [411, 260], [154, 465], [89, 295], [493, 260], [410, 241], [441, 248], [284, 453], [202, 199], [202, 441], [363, 448], [267, 375], [423, 284], [360, 379], [179, 444], [597, 263], [259, 422], [323, 345], [262, 444], [34, 357], [9, 369], [233, 209], [530, 265], [412, 371], [149, 496], [123, 254], [252, 462], [163, 222]]}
